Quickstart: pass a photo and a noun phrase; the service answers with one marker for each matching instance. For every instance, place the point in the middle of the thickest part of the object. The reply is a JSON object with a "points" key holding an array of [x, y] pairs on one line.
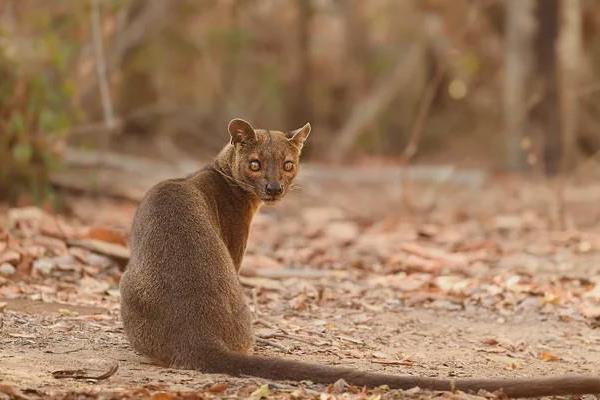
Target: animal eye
{"points": [[288, 166], [255, 165]]}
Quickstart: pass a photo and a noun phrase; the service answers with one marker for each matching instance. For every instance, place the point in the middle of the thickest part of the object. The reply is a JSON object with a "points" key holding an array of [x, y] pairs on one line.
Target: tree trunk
{"points": [[549, 107], [520, 28], [299, 109], [570, 59]]}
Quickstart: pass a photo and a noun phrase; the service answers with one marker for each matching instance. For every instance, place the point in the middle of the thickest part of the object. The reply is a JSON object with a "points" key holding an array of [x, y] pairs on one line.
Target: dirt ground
{"points": [[497, 278]]}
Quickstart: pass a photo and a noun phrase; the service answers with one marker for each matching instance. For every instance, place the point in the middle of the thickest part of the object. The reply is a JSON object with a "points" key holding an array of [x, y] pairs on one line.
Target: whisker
{"points": [[243, 185]]}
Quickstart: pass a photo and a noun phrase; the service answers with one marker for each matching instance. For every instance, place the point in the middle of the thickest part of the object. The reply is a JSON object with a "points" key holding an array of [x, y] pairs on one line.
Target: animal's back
{"points": [[181, 277]]}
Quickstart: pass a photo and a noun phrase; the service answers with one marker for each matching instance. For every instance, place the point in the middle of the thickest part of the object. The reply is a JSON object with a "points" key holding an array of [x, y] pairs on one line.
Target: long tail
{"points": [[280, 369]]}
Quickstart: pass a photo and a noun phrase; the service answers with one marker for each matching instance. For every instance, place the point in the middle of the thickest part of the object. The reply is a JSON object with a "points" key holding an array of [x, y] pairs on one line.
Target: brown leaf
{"points": [[105, 235], [218, 387], [24, 267], [299, 302], [449, 260], [10, 256], [412, 263], [163, 396], [547, 356], [490, 342]]}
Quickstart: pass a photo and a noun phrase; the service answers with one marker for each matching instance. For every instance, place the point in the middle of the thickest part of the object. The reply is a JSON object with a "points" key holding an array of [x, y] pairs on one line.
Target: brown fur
{"points": [[182, 303]]}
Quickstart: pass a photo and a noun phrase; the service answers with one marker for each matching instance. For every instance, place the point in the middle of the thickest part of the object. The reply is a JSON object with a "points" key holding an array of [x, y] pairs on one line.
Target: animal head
{"points": [[265, 162]]}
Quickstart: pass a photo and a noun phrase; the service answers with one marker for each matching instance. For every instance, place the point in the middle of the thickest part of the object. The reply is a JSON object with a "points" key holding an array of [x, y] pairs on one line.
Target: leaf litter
{"points": [[486, 287]]}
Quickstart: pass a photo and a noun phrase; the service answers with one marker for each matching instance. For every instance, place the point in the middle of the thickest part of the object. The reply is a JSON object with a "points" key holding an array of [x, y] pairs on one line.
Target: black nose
{"points": [[273, 188]]}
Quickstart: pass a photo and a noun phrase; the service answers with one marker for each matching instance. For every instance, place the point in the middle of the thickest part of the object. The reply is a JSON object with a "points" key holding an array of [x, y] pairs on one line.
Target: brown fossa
{"points": [[181, 300]]}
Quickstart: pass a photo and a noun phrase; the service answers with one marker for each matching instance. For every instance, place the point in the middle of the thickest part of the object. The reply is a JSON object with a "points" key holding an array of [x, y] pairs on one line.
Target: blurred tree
{"points": [[570, 68], [177, 71], [520, 29], [298, 92], [548, 109]]}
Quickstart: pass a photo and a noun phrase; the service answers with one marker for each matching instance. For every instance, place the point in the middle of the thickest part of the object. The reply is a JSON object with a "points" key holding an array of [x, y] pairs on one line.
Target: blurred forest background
{"points": [[503, 85]]}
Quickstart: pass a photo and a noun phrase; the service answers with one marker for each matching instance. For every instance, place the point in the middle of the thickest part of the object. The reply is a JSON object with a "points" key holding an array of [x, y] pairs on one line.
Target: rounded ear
{"points": [[240, 131], [300, 135]]}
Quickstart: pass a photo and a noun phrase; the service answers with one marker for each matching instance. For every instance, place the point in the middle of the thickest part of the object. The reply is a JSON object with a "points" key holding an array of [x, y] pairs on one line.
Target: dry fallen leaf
{"points": [[547, 356], [163, 396], [490, 341], [10, 256], [299, 302], [105, 235], [218, 387]]}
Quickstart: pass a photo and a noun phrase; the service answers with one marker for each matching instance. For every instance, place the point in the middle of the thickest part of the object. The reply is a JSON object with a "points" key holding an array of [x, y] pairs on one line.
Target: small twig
{"points": [[351, 339], [289, 336], [82, 374], [66, 351], [404, 361], [263, 340], [270, 325], [424, 108], [285, 334], [107, 107]]}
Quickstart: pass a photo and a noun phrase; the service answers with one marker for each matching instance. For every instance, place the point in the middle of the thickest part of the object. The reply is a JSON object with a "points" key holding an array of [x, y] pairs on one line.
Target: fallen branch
{"points": [[82, 374], [306, 340]]}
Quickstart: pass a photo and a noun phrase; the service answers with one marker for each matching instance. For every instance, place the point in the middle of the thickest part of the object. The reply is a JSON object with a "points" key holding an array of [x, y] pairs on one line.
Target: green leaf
{"points": [[16, 124], [22, 153]]}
